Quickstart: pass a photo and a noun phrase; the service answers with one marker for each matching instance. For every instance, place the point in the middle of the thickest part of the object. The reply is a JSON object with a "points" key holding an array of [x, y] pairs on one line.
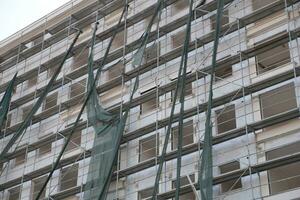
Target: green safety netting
{"points": [[108, 132], [180, 88], [5, 101], [21, 129], [138, 56], [106, 125], [205, 179]]}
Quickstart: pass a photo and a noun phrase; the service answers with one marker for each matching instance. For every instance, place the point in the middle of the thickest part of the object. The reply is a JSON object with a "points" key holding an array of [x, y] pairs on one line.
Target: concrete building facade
{"points": [[256, 132]]}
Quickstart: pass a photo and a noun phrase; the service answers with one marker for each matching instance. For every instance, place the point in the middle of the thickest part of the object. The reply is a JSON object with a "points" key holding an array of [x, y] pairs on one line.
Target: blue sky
{"points": [[17, 14]]}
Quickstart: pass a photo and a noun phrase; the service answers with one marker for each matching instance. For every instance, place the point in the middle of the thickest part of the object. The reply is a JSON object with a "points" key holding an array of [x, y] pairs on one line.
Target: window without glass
{"points": [[32, 81], [179, 6], [232, 184], [223, 73], [151, 53], [278, 100], [80, 59], [273, 58], [77, 88], [8, 120], [118, 41], [14, 193], [226, 119], [187, 135], [178, 39], [148, 148], [188, 91], [149, 105], [51, 71], [37, 186], [115, 71], [50, 101], [20, 159], [45, 149], [75, 141], [257, 4], [145, 194], [285, 177], [183, 182], [25, 111], [224, 20], [68, 177]]}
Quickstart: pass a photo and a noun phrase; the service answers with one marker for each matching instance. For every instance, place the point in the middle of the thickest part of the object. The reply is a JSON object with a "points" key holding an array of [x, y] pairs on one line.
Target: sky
{"points": [[17, 14]]}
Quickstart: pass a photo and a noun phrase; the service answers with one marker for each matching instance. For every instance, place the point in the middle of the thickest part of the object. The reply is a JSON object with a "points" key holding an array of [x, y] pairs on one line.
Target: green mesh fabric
{"points": [[21, 129], [182, 80], [4, 104], [138, 56], [108, 129], [180, 87], [205, 180], [99, 116]]}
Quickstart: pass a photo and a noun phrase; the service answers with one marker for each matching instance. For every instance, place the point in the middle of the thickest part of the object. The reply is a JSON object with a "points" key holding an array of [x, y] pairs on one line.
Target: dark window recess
{"points": [[184, 182], [8, 120], [77, 88], [148, 148], [118, 41], [14, 193], [232, 184], [32, 81], [79, 59], [25, 111], [148, 106], [50, 101], [188, 91], [226, 119], [273, 58], [257, 4], [151, 52], [286, 177], [75, 141], [20, 159], [115, 71], [179, 6], [277, 101], [145, 194], [68, 177], [223, 73], [178, 39], [224, 20], [187, 135], [37, 186], [51, 71], [45, 149]]}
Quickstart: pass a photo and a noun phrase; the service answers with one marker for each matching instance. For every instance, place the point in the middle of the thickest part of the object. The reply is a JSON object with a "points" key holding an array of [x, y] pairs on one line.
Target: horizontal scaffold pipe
{"points": [[63, 33], [59, 31], [267, 165], [164, 89], [188, 113], [164, 30], [279, 39]]}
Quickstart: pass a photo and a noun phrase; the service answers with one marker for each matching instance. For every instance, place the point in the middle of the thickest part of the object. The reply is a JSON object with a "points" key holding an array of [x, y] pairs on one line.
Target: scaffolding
{"points": [[255, 100]]}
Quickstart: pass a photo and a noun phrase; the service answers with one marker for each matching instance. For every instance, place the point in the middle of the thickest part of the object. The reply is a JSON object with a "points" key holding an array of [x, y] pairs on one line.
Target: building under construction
{"points": [[153, 99]]}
